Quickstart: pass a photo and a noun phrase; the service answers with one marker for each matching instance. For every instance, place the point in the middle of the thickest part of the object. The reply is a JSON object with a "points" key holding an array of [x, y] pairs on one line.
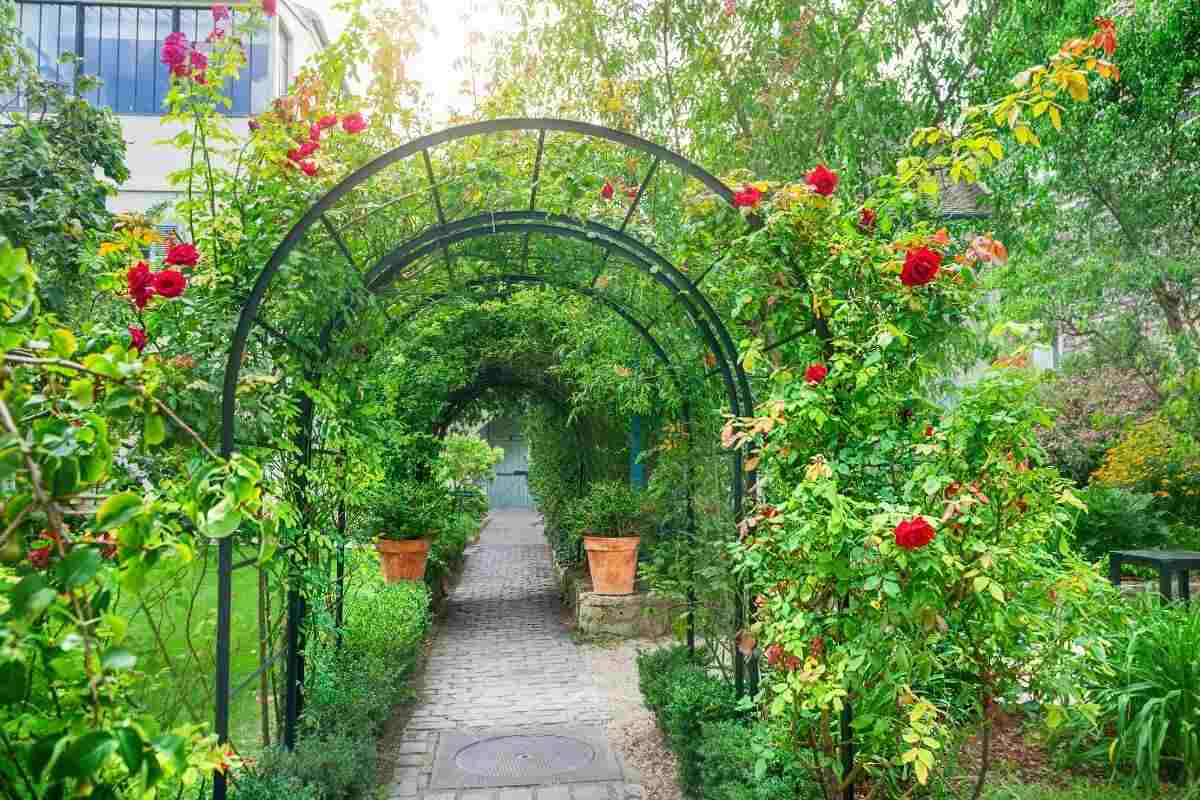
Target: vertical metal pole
{"points": [[291, 701], [847, 731], [224, 608], [637, 472], [739, 594]]}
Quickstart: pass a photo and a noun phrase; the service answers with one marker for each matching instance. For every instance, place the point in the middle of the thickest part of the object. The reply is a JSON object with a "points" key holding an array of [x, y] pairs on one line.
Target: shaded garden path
{"points": [[503, 663]]}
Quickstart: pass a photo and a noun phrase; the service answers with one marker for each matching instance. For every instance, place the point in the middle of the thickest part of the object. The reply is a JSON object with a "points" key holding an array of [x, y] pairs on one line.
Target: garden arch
{"points": [[334, 233]]}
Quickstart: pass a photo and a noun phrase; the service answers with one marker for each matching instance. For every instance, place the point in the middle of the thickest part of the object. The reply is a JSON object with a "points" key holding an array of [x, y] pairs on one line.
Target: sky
{"points": [[450, 23]]}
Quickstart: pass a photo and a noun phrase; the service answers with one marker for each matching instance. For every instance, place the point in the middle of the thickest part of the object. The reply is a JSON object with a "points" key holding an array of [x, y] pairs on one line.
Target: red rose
{"points": [[748, 197], [220, 12], [920, 266], [914, 533], [182, 255], [631, 192], [327, 121], [314, 132], [108, 550], [252, 124], [141, 283], [39, 557], [866, 220], [269, 7], [174, 49], [308, 148], [198, 60], [169, 283], [294, 154], [607, 192], [137, 337], [815, 373], [180, 70], [308, 168], [354, 123], [822, 180], [928, 431]]}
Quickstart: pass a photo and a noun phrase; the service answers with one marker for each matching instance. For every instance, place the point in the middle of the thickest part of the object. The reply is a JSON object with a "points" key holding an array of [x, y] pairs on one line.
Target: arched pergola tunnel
{"points": [[476, 213]]}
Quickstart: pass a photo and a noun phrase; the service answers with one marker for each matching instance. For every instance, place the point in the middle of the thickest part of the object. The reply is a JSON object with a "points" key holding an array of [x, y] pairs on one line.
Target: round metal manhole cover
{"points": [[525, 756]]}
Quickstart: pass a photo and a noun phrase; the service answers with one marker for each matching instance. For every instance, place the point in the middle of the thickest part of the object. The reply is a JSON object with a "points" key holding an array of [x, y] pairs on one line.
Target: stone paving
{"points": [[502, 659]]}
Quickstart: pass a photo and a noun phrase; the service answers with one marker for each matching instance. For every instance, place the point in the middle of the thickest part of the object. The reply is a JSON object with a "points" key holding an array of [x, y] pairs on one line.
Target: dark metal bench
{"points": [[1167, 562]]}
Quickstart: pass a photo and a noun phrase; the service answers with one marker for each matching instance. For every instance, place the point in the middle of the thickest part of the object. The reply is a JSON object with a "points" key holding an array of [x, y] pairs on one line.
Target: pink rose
{"points": [[354, 123]]}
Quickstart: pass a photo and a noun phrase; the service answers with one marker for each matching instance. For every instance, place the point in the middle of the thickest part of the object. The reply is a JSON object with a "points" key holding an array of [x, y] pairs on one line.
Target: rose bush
{"points": [[906, 562]]}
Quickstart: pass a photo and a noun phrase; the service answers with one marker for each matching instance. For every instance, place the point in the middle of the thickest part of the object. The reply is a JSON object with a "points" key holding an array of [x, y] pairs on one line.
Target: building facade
{"points": [[120, 42]]}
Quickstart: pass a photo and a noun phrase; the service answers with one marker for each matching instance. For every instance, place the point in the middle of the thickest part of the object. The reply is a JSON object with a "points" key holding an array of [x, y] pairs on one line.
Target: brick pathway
{"points": [[502, 659]]}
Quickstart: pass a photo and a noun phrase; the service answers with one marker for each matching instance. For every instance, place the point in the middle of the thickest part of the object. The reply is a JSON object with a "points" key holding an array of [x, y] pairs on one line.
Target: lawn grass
{"points": [[1085, 790], [181, 600]]}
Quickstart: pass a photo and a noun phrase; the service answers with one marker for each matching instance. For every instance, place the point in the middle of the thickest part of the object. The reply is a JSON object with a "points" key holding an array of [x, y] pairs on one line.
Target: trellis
{"points": [[339, 228]]}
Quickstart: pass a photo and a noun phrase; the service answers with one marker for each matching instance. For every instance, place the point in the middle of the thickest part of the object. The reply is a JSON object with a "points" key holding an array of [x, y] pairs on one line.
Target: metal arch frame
{"points": [[708, 324]]}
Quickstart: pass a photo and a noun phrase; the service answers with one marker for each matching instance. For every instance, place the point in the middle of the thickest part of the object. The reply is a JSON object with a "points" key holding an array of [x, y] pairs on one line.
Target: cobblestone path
{"points": [[503, 663]]}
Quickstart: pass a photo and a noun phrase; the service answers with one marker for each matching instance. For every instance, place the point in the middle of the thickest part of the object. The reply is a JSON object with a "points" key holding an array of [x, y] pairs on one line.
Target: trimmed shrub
{"points": [[257, 785], [1118, 519], [655, 673], [741, 762]]}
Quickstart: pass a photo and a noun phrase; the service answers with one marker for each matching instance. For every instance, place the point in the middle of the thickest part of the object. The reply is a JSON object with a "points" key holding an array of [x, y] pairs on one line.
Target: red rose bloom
{"points": [[866, 220], [314, 132], [822, 180], [748, 197], [175, 50], [308, 168], [39, 557], [920, 266], [137, 338], [108, 542], [220, 12], [141, 283], [815, 373], [914, 533], [327, 121], [182, 255], [198, 60], [269, 7], [308, 148], [294, 154], [631, 192], [929, 431], [606, 193], [169, 283], [354, 123], [253, 124]]}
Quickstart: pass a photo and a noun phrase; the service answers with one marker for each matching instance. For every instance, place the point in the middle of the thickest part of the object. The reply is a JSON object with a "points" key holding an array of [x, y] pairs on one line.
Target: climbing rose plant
{"points": [[904, 559]]}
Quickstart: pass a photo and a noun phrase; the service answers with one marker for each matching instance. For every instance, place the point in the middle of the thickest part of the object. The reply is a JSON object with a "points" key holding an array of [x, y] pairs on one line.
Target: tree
{"points": [[50, 194]]}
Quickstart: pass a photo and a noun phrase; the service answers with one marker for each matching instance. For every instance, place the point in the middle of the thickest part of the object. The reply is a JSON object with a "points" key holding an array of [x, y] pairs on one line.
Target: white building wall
{"points": [[151, 158]]}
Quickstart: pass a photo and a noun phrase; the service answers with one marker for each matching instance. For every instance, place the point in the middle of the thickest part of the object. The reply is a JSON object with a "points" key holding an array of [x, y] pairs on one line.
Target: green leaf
{"points": [[222, 519], [86, 755], [155, 431], [63, 342], [117, 658], [79, 567], [172, 747], [117, 510], [129, 745], [82, 392], [32, 595], [13, 682]]}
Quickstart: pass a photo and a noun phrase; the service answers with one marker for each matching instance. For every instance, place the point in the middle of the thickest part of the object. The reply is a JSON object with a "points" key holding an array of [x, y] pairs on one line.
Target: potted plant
{"points": [[408, 516], [613, 518]]}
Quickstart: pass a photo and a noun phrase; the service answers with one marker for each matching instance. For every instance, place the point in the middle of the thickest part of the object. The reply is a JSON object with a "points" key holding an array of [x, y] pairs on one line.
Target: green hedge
{"points": [[722, 754], [349, 693]]}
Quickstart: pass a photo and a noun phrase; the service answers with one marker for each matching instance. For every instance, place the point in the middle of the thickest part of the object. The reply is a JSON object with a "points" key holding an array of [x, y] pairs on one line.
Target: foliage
{"points": [[1133, 686], [411, 510], [53, 153], [614, 509], [684, 697], [1155, 457], [69, 718], [446, 552], [896, 544], [1118, 519], [1106, 261], [251, 785], [741, 762], [466, 459]]}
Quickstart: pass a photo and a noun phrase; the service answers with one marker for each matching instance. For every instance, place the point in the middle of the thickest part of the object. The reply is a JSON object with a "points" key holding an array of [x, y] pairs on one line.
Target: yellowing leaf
{"points": [[1077, 86], [1055, 118], [996, 149]]}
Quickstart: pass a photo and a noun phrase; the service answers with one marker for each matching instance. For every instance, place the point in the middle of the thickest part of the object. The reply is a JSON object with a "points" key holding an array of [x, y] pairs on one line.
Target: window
{"points": [[120, 44]]}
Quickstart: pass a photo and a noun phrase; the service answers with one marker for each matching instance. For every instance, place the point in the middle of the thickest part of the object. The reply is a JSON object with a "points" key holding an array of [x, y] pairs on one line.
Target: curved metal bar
{"points": [[696, 304]]}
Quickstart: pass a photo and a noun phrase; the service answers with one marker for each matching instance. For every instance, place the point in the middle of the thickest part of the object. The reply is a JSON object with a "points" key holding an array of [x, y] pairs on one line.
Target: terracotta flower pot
{"points": [[612, 561], [403, 560]]}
